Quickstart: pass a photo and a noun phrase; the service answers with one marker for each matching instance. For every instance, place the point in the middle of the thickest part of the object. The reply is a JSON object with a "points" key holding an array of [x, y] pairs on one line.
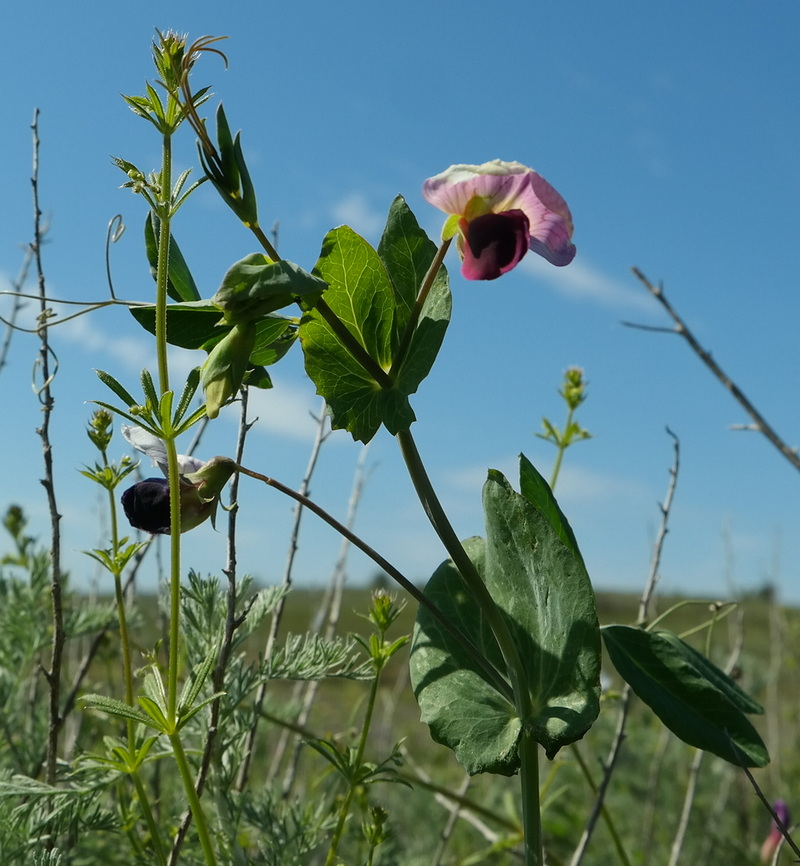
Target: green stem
{"points": [[493, 675], [531, 808], [175, 581], [193, 798], [162, 267], [562, 447], [147, 811], [162, 278], [463, 563], [353, 782], [502, 634]]}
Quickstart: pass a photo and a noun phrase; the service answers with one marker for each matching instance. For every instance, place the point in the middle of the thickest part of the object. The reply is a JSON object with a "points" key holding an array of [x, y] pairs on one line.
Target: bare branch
{"points": [[759, 422], [644, 603]]}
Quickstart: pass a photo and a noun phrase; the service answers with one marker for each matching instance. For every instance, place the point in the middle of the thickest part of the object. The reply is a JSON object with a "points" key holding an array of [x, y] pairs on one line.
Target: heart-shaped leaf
{"points": [[542, 589]]}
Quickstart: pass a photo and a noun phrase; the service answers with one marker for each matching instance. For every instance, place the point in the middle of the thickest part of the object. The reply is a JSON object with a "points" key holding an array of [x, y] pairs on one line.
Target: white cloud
{"points": [[583, 282], [355, 211], [85, 331], [576, 484], [285, 410]]}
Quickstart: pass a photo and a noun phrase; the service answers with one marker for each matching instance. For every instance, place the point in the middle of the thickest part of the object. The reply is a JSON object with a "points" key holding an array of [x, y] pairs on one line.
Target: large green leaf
{"points": [[361, 295], [256, 286], [697, 701], [542, 589], [373, 292], [407, 252], [460, 704], [199, 326]]}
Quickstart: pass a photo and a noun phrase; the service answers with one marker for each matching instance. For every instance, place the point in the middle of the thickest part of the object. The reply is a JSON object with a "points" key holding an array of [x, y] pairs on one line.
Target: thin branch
{"points": [[333, 603], [232, 623], [322, 434], [53, 675], [17, 304], [644, 602], [681, 329]]}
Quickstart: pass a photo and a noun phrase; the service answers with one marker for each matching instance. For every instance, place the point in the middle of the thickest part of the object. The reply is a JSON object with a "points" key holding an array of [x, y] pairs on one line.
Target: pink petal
{"points": [[550, 221], [500, 187], [495, 243], [497, 182]]}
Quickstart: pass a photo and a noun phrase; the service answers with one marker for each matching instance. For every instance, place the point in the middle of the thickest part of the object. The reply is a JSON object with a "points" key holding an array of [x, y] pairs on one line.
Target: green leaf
{"points": [[275, 335], [693, 698], [373, 293], [537, 491], [189, 390], [256, 286], [123, 394], [191, 325], [541, 587], [408, 253], [361, 295], [462, 708], [181, 285], [115, 708]]}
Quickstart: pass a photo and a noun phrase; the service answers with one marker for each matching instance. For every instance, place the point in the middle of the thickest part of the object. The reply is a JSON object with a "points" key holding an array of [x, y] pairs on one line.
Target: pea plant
{"points": [[506, 650]]}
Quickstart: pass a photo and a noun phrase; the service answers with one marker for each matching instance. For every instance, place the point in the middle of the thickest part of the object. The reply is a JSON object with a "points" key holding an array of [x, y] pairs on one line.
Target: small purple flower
{"points": [[500, 210], [147, 503]]}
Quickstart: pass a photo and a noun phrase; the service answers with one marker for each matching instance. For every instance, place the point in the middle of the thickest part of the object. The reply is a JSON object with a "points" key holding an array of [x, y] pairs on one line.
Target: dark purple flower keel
{"points": [[495, 243], [146, 505]]}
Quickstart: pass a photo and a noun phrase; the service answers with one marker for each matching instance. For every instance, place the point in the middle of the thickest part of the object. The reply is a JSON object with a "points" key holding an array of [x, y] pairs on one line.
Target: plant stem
{"points": [[463, 563], [147, 811], [353, 782], [44, 393], [562, 447], [173, 475], [531, 808], [162, 267], [492, 673], [502, 634], [193, 798]]}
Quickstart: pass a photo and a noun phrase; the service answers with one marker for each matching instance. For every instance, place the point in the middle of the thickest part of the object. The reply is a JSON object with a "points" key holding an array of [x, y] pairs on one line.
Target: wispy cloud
{"points": [[356, 211], [87, 332], [576, 484], [583, 282], [286, 410]]}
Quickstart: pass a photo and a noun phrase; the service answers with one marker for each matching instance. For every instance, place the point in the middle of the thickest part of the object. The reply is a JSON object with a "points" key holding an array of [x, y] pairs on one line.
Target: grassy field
{"points": [[646, 797]]}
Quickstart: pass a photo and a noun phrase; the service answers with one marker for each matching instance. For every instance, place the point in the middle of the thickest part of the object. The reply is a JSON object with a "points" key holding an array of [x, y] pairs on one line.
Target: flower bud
{"points": [[224, 369]]}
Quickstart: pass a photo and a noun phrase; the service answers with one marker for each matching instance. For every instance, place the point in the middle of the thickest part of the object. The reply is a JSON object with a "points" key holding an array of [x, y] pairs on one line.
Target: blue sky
{"points": [[671, 129]]}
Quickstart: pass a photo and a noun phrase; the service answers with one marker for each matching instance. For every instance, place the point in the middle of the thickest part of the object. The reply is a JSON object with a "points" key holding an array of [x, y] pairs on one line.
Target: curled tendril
{"points": [[115, 230], [39, 390]]}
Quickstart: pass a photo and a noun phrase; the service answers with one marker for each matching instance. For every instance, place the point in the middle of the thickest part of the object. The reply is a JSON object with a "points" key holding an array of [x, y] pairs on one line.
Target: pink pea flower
{"points": [[772, 841], [499, 211]]}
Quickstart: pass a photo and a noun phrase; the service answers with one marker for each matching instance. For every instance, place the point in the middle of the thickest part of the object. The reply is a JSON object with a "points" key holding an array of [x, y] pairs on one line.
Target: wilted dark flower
{"points": [[147, 503]]}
